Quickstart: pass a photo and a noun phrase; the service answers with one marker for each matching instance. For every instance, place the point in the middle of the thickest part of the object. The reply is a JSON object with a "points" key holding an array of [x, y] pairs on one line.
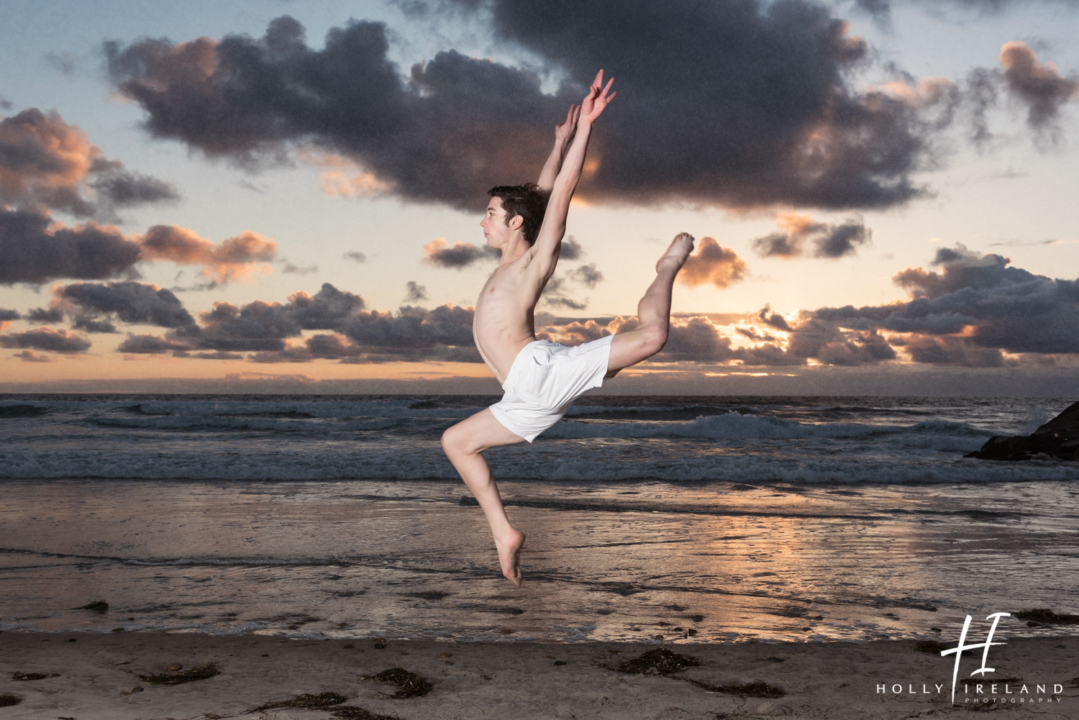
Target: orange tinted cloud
{"points": [[713, 264], [45, 160], [1041, 87], [233, 259], [46, 164]]}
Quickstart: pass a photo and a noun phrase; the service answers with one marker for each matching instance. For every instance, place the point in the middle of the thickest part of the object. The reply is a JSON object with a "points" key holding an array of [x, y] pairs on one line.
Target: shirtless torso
{"points": [[504, 321]]}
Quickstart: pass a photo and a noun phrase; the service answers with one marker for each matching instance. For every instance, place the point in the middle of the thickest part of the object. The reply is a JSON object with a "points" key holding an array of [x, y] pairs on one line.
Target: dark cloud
{"points": [[713, 264], [415, 333], [263, 327], [563, 301], [149, 345], [773, 319], [94, 326], [60, 341], [328, 309], [31, 356], [980, 93], [571, 249], [415, 292], [1041, 87], [219, 355], [731, 103], [882, 9], [291, 269], [332, 347], [460, 255], [43, 316], [46, 164], [840, 240], [129, 302], [355, 256], [696, 340], [34, 250], [257, 326], [8, 315], [124, 188], [974, 302], [752, 334], [802, 235], [556, 294], [856, 349], [586, 275], [951, 351]]}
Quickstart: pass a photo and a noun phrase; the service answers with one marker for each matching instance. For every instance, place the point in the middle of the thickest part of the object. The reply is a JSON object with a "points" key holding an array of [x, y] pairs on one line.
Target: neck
{"points": [[514, 249]]}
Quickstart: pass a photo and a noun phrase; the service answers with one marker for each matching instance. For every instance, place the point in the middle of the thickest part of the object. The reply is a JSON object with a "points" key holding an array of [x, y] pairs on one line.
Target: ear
{"points": [[516, 222]]}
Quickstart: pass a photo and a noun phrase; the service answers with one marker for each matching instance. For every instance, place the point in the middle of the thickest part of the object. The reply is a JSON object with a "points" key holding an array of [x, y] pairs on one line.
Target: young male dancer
{"points": [[542, 378]]}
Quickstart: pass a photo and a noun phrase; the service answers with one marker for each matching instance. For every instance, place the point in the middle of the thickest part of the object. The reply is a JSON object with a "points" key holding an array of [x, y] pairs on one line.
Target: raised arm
{"points": [[563, 134], [549, 241]]}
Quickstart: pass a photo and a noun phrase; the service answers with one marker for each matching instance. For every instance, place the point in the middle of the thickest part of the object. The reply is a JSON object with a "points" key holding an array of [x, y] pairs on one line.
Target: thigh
{"points": [[628, 348], [482, 431]]}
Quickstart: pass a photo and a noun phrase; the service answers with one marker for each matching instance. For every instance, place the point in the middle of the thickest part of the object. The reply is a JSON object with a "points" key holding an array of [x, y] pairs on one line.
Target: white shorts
{"points": [[544, 381]]}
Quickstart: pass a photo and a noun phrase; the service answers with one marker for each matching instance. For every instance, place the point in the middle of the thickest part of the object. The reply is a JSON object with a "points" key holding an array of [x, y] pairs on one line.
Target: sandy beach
{"points": [[90, 676]]}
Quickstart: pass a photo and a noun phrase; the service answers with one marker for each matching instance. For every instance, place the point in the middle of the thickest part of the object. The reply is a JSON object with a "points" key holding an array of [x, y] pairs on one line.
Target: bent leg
{"points": [[653, 312], [463, 444]]}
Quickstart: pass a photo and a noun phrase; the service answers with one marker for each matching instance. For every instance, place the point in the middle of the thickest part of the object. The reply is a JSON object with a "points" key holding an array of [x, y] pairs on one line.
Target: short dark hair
{"points": [[528, 201]]}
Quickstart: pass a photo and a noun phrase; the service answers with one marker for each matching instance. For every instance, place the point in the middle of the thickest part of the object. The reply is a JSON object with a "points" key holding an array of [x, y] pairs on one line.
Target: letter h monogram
{"points": [[995, 617]]}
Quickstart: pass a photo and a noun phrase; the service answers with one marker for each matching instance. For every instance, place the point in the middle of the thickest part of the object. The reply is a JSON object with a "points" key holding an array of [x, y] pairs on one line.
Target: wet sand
{"points": [[89, 676], [605, 562]]}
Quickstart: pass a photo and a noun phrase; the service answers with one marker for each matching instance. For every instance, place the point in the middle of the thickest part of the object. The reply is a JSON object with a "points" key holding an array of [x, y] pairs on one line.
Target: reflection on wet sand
{"points": [[622, 561]]}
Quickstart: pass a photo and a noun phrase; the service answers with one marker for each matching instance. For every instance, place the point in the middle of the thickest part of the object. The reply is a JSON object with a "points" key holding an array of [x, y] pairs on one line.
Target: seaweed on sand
{"points": [[321, 701], [202, 672], [29, 676], [328, 701], [929, 646], [351, 712], [660, 661], [98, 606], [9, 700], [751, 689], [1046, 616], [409, 684]]}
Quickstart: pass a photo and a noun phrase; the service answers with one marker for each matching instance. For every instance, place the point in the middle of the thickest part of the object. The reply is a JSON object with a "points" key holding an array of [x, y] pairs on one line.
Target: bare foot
{"points": [[677, 253], [509, 551]]}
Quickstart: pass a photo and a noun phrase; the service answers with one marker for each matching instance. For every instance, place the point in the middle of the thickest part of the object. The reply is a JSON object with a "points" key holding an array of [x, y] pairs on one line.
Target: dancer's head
{"points": [[525, 201]]}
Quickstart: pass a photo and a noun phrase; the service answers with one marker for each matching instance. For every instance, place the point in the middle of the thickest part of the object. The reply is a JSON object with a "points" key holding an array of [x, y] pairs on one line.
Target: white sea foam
{"points": [[670, 439]]}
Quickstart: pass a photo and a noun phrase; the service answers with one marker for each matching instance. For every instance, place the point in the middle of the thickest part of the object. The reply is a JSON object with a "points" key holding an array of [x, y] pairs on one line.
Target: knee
{"points": [[449, 439], [654, 338], [454, 440]]}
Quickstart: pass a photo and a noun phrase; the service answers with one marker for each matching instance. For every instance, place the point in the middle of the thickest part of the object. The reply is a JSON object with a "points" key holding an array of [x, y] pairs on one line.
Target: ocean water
{"points": [[648, 518]]}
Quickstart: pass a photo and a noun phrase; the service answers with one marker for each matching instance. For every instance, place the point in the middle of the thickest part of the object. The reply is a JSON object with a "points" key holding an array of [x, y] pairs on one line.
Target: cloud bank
{"points": [[739, 104]]}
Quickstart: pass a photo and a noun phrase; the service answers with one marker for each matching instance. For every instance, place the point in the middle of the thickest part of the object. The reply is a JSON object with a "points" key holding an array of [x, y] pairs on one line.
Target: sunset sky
{"points": [[286, 196]]}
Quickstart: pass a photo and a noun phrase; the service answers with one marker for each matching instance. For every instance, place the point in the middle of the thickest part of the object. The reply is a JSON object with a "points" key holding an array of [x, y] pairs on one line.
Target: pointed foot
{"points": [[677, 253], [509, 555]]}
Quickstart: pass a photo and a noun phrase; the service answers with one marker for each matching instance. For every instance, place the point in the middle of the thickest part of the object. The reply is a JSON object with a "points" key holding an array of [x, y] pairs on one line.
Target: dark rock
{"points": [[1058, 438]]}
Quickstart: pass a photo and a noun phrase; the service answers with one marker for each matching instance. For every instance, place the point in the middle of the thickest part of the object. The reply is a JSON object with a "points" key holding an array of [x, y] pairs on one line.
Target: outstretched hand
{"points": [[565, 131], [595, 102]]}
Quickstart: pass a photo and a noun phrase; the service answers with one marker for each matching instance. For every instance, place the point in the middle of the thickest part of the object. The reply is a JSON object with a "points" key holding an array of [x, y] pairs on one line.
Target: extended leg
{"points": [[653, 312], [463, 444]]}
